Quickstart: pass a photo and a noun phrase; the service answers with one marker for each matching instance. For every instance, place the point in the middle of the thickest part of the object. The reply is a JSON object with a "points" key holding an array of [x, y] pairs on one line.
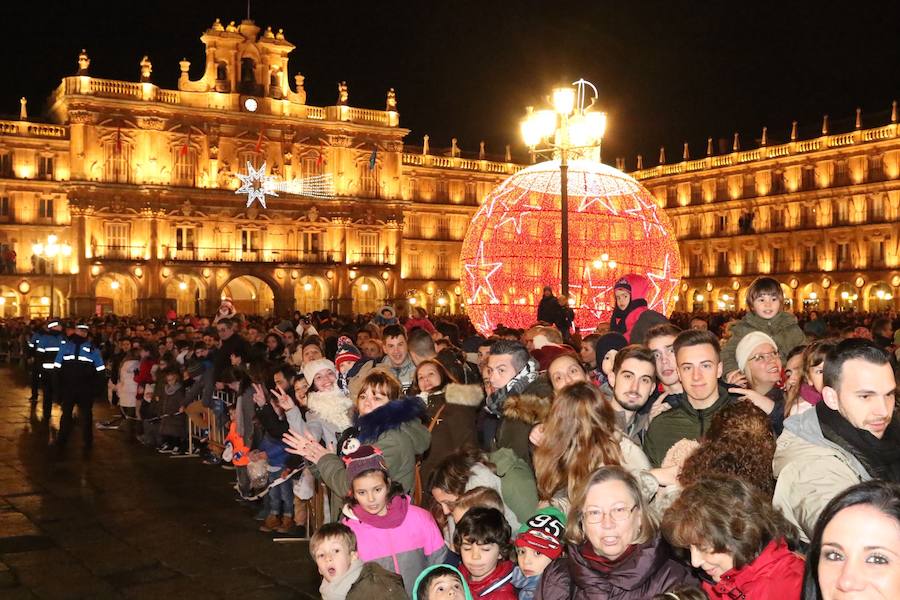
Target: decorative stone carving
{"points": [[146, 69], [154, 123], [343, 94], [268, 33], [340, 141], [217, 25], [81, 117], [83, 63], [391, 100], [232, 28], [280, 34], [312, 215]]}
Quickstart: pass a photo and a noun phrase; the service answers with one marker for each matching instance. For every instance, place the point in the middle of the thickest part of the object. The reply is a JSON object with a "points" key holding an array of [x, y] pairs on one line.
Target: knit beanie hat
{"points": [[622, 284], [346, 352], [366, 458], [321, 364], [606, 342], [748, 344], [543, 532]]}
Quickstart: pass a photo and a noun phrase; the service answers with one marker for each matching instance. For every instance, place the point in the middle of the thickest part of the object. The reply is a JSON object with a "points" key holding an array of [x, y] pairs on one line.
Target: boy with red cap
{"points": [[537, 545]]}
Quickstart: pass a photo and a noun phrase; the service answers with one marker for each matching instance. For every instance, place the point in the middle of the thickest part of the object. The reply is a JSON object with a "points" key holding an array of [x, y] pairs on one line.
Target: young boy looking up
{"points": [[344, 576]]}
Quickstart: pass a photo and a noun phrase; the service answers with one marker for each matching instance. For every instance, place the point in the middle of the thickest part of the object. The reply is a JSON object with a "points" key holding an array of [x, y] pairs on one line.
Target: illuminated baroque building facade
{"points": [[821, 215], [140, 182]]}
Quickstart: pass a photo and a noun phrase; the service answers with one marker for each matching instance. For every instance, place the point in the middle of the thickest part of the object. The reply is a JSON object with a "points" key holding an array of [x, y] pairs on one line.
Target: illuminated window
{"points": [[45, 208], [184, 237], [368, 244], [310, 245], [117, 160], [4, 206], [185, 166], [252, 157], [368, 179], [311, 166], [723, 223], [441, 269], [117, 240], [6, 164], [250, 240], [45, 167], [414, 265]]}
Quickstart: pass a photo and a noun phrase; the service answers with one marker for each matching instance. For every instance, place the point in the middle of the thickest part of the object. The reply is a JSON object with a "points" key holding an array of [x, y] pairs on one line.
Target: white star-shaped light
{"points": [[480, 275], [664, 284], [256, 184]]}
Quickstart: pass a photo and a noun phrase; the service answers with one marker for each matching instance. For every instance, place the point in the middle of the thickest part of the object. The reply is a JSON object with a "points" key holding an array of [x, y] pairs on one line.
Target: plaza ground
{"points": [[125, 521]]}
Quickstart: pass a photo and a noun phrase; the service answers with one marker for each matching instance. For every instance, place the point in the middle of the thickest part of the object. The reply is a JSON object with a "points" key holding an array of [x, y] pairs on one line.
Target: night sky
{"points": [[668, 72]]}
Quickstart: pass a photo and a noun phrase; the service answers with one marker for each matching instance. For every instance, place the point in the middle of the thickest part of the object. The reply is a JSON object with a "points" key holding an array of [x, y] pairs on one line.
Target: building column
{"points": [[81, 300]]}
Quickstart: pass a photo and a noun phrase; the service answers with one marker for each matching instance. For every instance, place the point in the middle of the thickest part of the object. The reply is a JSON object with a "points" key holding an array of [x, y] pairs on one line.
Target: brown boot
{"points": [[270, 524], [300, 512], [287, 522]]}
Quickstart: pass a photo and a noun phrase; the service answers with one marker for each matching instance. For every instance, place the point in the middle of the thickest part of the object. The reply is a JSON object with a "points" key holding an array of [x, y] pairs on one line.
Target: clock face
{"points": [[251, 104]]}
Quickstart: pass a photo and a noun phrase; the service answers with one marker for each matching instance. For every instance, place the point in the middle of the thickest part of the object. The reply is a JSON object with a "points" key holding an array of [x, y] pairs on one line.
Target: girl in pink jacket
{"points": [[389, 530]]}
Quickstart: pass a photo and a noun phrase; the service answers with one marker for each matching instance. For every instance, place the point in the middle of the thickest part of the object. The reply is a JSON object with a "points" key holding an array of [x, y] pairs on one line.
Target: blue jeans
{"points": [[281, 497]]}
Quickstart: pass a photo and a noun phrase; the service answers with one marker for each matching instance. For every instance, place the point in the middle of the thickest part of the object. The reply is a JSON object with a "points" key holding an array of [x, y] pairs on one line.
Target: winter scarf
{"points": [[172, 389], [389, 416], [340, 587], [810, 394], [394, 517], [603, 564], [494, 403], [880, 457], [617, 322], [526, 586]]}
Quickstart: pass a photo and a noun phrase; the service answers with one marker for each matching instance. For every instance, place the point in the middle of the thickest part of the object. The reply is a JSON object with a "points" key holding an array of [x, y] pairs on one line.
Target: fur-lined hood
{"points": [[390, 416], [333, 407], [531, 406], [463, 395]]}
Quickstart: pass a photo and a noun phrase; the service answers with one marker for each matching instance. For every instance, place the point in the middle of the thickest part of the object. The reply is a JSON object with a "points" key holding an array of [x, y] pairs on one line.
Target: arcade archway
{"points": [[250, 295], [189, 293], [311, 293], [368, 294], [115, 293]]}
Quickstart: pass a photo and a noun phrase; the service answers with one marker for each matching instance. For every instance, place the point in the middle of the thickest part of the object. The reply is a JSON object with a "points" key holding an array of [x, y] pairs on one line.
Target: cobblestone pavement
{"points": [[126, 522]]}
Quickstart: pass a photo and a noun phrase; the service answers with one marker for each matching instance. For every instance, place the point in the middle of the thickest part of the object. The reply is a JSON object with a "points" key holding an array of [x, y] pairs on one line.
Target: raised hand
{"points": [[259, 395], [305, 445], [282, 399]]}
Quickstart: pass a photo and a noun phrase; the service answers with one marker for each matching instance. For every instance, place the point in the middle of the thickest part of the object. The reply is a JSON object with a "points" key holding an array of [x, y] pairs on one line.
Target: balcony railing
{"points": [[373, 258], [117, 252], [271, 255]]}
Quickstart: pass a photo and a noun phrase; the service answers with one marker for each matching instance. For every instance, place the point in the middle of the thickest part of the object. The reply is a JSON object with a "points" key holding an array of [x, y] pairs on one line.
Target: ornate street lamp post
{"points": [[569, 129], [49, 251]]}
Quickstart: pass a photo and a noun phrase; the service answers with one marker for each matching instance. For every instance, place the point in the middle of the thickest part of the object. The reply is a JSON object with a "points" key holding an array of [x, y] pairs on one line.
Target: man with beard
{"points": [[848, 437], [633, 380]]}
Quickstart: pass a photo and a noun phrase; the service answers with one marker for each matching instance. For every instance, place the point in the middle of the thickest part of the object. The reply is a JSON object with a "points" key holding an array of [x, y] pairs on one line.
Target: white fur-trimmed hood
{"points": [[463, 395]]}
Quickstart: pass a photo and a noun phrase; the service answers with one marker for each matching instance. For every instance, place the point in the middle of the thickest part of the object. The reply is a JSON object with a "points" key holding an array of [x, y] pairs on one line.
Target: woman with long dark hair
{"points": [[855, 546]]}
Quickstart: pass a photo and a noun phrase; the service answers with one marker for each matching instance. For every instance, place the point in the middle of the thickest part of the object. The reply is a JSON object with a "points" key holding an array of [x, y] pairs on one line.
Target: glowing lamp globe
{"points": [[512, 246]]}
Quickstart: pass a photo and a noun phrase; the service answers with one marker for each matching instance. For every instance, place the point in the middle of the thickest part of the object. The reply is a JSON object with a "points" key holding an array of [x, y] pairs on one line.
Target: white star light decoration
{"points": [[256, 184]]}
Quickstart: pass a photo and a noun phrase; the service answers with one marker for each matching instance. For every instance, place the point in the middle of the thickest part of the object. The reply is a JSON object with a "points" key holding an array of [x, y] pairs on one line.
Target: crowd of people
{"points": [[667, 458]]}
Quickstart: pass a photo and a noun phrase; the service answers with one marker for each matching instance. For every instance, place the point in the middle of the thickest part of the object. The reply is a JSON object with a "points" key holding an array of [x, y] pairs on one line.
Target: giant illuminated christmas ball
{"points": [[512, 247]]}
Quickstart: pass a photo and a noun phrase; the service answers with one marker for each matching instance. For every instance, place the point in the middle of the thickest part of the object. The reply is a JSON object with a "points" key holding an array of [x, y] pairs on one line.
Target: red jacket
{"points": [[775, 573], [495, 586]]}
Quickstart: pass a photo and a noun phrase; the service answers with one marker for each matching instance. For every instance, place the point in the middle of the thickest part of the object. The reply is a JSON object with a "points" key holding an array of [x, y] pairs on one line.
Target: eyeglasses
{"points": [[618, 514], [763, 357]]}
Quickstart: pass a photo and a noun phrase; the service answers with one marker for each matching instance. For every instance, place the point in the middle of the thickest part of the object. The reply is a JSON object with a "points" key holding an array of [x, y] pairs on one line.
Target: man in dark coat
{"points": [[549, 310]]}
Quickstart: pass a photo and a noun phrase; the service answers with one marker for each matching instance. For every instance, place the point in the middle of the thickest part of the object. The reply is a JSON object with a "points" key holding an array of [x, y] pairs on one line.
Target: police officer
{"points": [[34, 362], [46, 349], [81, 376]]}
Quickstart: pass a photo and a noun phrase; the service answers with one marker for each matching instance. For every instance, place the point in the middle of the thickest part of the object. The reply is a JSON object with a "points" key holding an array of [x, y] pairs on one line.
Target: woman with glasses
{"points": [[743, 545], [614, 549], [759, 375]]}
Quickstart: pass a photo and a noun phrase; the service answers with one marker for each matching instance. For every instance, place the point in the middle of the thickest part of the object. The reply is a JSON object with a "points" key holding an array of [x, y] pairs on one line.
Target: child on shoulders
{"points": [[765, 300]]}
